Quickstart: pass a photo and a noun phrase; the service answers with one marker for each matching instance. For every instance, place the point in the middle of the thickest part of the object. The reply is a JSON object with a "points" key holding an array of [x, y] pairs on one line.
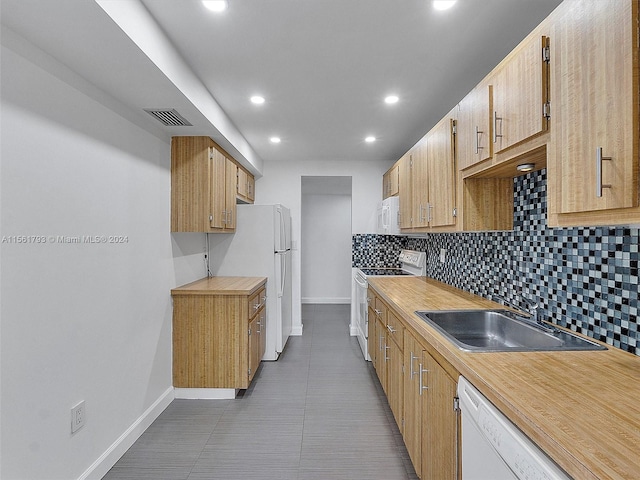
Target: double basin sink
{"points": [[501, 331]]}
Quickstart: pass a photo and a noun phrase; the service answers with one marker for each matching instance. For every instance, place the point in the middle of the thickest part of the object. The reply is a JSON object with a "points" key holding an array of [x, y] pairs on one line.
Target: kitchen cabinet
{"points": [[441, 174], [593, 153], [390, 182], [440, 424], [474, 131], [388, 361], [245, 185], [520, 93], [394, 358], [431, 417], [203, 186], [218, 325], [420, 393], [428, 176], [413, 400], [405, 189]]}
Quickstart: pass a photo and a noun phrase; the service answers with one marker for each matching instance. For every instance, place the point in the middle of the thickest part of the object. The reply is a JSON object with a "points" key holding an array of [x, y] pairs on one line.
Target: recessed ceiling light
{"points": [[370, 139], [275, 140], [257, 99], [443, 4], [391, 99], [215, 5]]}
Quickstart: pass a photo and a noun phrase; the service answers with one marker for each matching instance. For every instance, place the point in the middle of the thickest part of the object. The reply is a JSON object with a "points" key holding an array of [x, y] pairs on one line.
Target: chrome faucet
{"points": [[532, 313]]}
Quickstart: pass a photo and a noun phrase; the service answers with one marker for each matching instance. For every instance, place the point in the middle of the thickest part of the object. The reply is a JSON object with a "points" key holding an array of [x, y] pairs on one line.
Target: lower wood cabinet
{"points": [[431, 416], [218, 332], [420, 390]]}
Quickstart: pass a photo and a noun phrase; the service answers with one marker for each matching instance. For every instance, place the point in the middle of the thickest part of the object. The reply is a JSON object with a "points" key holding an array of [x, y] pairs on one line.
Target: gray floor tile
{"points": [[317, 413]]}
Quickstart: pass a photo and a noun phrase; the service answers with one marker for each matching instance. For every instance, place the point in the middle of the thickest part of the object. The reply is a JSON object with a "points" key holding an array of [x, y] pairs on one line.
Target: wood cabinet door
{"points": [[412, 432], [217, 178], [441, 171], [382, 355], [395, 380], [520, 90], [254, 346], [230, 194], [241, 183], [372, 335], [595, 106], [421, 182], [474, 134], [439, 423], [390, 182], [405, 187], [251, 188]]}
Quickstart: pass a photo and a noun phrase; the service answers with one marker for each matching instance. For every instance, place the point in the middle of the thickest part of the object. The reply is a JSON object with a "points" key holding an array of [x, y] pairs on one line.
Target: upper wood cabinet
{"points": [[428, 180], [441, 174], [245, 185], [203, 186], [390, 182], [405, 187], [593, 154], [474, 130], [520, 93]]}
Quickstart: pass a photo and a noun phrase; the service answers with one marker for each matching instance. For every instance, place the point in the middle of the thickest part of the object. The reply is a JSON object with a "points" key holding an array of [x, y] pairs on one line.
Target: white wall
{"points": [[281, 183], [81, 321], [326, 249]]}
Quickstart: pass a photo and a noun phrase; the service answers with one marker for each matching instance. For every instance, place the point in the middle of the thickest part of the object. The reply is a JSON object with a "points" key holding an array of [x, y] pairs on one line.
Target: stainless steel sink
{"points": [[501, 331]]}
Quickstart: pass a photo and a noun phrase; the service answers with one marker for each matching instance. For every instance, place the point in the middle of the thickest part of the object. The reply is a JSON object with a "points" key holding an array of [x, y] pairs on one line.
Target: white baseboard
{"points": [[353, 330], [206, 393], [108, 459], [325, 300], [296, 330]]}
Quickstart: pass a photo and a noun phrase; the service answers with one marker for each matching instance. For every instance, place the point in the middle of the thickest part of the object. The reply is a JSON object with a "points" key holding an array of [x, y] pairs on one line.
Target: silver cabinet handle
{"points": [[391, 329], [422, 386], [495, 127], [478, 133], [599, 160], [224, 217], [386, 347], [377, 312], [411, 371], [429, 213]]}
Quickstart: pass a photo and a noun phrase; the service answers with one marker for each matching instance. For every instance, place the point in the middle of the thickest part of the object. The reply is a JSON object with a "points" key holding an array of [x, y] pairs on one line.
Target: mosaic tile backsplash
{"points": [[584, 278]]}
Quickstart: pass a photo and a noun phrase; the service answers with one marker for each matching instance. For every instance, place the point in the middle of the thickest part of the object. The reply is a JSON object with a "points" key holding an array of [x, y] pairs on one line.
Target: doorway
{"points": [[326, 239]]}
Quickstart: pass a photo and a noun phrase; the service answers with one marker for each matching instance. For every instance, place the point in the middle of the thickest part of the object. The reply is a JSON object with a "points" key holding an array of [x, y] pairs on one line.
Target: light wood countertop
{"points": [[581, 407], [221, 286]]}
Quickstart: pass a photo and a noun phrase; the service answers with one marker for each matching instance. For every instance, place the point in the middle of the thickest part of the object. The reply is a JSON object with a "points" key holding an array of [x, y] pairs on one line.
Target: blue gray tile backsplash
{"points": [[585, 278]]}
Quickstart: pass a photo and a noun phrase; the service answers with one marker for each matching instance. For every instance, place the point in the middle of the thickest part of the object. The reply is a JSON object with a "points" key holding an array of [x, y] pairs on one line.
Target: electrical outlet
{"points": [[78, 417], [443, 255]]}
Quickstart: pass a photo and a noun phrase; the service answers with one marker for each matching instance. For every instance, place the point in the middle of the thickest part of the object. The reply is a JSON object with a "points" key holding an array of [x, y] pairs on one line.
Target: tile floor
{"points": [[317, 413]]}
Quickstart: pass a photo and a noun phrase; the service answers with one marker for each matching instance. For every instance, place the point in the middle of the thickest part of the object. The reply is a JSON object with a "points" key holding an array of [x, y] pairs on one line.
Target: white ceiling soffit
{"points": [[326, 185], [134, 20]]}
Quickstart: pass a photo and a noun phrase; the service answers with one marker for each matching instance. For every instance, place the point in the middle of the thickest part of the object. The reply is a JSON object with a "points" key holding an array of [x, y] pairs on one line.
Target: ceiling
{"points": [[323, 66]]}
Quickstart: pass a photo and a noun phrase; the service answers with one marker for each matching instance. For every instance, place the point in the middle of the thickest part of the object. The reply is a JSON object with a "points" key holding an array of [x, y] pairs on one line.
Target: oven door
{"points": [[362, 311]]}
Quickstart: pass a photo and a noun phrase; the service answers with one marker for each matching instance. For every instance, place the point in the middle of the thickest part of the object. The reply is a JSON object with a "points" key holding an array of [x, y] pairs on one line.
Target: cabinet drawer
{"points": [[395, 329], [257, 301]]}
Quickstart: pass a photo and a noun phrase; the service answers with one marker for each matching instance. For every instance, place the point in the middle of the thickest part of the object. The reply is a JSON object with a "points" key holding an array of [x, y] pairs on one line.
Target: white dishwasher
{"points": [[493, 448]]}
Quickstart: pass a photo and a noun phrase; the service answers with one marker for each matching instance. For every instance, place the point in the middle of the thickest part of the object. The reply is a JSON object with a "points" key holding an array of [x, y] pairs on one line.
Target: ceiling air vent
{"points": [[168, 116]]}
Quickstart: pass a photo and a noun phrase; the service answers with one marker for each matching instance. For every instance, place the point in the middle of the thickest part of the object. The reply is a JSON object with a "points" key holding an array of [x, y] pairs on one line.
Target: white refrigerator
{"points": [[261, 247]]}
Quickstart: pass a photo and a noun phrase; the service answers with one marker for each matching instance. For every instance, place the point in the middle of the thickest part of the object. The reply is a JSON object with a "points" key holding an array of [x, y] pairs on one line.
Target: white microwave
{"points": [[389, 216]]}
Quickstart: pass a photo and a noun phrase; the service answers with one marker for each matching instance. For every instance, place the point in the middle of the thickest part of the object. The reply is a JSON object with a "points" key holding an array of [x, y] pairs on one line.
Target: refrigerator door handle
{"points": [[283, 273]]}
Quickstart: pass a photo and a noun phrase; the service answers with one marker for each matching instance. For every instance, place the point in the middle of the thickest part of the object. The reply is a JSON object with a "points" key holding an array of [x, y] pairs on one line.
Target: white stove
{"points": [[411, 263]]}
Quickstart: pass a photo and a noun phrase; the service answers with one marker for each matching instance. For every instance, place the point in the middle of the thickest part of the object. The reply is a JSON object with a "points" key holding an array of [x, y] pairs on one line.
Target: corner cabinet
{"points": [[218, 332], [593, 155], [203, 186]]}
